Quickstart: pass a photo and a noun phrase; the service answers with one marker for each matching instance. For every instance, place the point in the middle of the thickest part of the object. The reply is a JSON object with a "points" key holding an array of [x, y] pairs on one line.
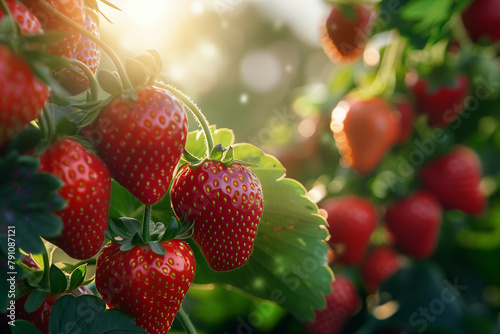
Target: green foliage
{"points": [[88, 315]]}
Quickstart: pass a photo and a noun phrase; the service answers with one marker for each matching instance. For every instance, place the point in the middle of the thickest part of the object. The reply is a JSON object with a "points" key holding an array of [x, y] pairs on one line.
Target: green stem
{"points": [[196, 112], [387, 66], [93, 85], [49, 124], [46, 268], [145, 225], [186, 322], [111, 53]]}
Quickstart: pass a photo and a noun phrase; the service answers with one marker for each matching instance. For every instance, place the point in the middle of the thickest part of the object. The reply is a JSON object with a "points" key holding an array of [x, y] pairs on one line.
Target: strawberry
{"points": [[364, 130], [414, 223], [225, 204], [88, 53], [87, 191], [378, 266], [73, 9], [28, 22], [351, 221], [406, 121], [341, 304], [481, 19], [148, 286], [346, 31], [440, 103], [23, 95], [142, 141], [454, 179]]}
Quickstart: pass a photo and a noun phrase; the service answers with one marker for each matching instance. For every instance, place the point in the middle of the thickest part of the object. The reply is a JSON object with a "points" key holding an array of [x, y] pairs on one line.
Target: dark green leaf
{"points": [[137, 239], [35, 299], [88, 315], [126, 247], [58, 280], [114, 228], [24, 327], [157, 248], [171, 230], [217, 152], [65, 127], [77, 277], [131, 224]]}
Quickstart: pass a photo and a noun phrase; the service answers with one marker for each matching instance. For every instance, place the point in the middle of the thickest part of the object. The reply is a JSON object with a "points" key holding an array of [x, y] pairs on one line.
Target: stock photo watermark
{"points": [[11, 274]]}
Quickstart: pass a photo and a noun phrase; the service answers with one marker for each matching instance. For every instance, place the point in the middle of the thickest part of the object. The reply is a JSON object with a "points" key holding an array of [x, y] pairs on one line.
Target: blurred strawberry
{"points": [[482, 20], [378, 266], [364, 130], [88, 53], [73, 9], [441, 103], [351, 221], [28, 22], [346, 31], [341, 304], [414, 223], [454, 179]]}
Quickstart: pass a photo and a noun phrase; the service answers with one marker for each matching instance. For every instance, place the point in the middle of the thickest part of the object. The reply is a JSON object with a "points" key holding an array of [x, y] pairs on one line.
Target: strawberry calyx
{"points": [[129, 232], [219, 154]]}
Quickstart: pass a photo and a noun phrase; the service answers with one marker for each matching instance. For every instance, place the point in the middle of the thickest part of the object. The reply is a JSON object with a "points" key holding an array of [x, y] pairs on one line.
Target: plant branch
{"points": [[93, 85], [111, 53], [199, 116], [186, 322]]}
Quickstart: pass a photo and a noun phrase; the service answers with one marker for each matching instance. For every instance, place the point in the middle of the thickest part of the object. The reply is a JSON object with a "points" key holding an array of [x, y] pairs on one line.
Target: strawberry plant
{"points": [[350, 187]]}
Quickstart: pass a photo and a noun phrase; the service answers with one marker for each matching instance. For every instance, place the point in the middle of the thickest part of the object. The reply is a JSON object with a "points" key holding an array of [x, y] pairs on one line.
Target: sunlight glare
{"points": [[150, 12]]}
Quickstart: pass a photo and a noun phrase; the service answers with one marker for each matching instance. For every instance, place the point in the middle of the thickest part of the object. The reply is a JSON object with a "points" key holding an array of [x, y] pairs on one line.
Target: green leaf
{"points": [[35, 299], [110, 82], [87, 314], [217, 152], [77, 277], [24, 327], [131, 224], [123, 203], [58, 280], [289, 262], [157, 248]]}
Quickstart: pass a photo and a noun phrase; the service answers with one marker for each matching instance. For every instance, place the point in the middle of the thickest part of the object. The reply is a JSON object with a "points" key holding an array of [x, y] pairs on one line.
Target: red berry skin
{"points": [[142, 141], [443, 105], [226, 205], [378, 266], [414, 224], [148, 286], [88, 53], [351, 221], [23, 95], [73, 9], [406, 121], [28, 22], [454, 179], [482, 20], [343, 37], [86, 190], [341, 304]]}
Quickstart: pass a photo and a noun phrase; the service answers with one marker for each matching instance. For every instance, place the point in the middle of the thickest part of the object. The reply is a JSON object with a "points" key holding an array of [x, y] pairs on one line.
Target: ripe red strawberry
{"points": [[346, 31], [364, 130], [442, 104], [142, 141], [23, 95], [87, 191], [88, 53], [482, 20], [378, 266], [341, 304], [414, 223], [148, 286], [351, 221], [73, 9], [406, 120], [28, 22], [454, 179], [225, 204]]}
